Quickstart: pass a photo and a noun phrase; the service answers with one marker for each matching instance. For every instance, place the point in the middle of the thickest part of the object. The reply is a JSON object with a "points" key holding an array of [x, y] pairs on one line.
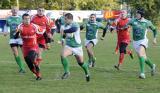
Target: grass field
{"points": [[104, 78]]}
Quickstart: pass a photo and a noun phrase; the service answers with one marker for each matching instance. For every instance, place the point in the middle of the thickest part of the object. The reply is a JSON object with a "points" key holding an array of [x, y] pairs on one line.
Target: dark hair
{"points": [[69, 16], [93, 15], [25, 15], [141, 11]]}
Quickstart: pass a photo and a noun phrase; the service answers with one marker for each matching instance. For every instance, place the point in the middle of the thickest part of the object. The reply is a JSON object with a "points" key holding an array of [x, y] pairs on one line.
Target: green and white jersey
{"points": [[92, 29], [12, 23], [73, 39], [140, 28], [62, 20]]}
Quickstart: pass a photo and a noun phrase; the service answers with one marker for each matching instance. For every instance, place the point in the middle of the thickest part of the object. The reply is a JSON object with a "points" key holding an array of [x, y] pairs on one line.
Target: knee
{"points": [[63, 56], [88, 47], [122, 50], [15, 53], [80, 64]]}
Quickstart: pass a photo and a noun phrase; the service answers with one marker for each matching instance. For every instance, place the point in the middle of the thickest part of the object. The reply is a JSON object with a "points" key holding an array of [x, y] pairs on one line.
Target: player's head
{"points": [[140, 13], [26, 18], [68, 18], [92, 18], [14, 10], [41, 11], [124, 14]]}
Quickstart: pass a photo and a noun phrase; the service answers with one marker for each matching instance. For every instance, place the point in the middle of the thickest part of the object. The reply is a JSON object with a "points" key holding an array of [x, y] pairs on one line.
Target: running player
{"points": [[123, 38], [140, 27], [72, 46], [28, 31], [44, 22], [12, 22], [92, 27]]}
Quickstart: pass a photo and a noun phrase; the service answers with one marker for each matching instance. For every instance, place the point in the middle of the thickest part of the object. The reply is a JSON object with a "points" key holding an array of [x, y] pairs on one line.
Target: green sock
{"points": [[149, 63], [65, 64], [141, 62], [19, 62], [85, 68]]}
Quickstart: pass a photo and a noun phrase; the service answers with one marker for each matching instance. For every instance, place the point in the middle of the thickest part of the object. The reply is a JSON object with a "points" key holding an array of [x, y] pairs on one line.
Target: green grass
{"points": [[104, 78]]}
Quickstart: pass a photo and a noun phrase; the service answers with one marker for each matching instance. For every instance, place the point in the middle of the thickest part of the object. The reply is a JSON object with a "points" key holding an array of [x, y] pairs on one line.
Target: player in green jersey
{"points": [[140, 27], [91, 40], [12, 22], [72, 46]]}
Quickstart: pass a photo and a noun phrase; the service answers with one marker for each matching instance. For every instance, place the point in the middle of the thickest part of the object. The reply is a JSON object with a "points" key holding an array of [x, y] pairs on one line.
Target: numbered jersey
{"points": [[12, 23]]}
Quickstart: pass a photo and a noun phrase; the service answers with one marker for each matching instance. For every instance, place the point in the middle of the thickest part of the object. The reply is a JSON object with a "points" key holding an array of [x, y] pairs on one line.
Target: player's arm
{"points": [[82, 26], [104, 28], [62, 37], [154, 30], [71, 29], [17, 33], [6, 28], [127, 25]]}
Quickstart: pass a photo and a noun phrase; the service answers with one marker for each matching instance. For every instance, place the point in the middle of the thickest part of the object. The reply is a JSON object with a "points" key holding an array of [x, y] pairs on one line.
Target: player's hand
{"points": [[102, 38], [154, 41]]}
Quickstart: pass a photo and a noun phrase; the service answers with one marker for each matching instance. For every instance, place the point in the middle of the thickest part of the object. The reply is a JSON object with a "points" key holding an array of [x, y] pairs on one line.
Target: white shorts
{"points": [[136, 44], [76, 51], [93, 40], [16, 41]]}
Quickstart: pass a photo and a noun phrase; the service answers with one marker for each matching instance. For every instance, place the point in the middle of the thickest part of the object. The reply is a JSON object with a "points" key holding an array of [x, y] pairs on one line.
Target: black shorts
{"points": [[15, 45], [31, 57], [122, 47], [41, 46]]}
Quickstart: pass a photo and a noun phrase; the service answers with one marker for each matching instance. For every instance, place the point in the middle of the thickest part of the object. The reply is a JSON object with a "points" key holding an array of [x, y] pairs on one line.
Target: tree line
{"points": [[152, 7]]}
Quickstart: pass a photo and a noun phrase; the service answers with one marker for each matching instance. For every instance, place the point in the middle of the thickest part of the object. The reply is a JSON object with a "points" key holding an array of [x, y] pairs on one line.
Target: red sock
{"points": [[38, 74], [121, 58], [34, 71], [117, 47]]}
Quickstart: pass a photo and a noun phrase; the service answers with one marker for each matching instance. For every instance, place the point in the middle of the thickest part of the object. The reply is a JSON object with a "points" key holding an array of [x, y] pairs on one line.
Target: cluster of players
{"points": [[34, 34]]}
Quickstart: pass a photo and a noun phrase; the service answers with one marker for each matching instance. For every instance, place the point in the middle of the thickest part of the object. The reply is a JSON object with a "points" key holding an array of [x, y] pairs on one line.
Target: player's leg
{"points": [[117, 48], [66, 51], [33, 56], [129, 52], [14, 48], [89, 48], [151, 65], [40, 51], [48, 39], [142, 56], [122, 51], [79, 57], [31, 62]]}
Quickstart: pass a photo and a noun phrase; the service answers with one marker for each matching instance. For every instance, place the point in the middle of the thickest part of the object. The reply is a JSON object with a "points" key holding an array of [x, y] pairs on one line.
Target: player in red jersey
{"points": [[44, 22], [28, 32], [123, 37]]}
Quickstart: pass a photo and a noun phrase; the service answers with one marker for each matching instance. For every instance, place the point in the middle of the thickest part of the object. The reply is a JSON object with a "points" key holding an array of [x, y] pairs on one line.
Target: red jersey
{"points": [[44, 23], [29, 37], [123, 35]]}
